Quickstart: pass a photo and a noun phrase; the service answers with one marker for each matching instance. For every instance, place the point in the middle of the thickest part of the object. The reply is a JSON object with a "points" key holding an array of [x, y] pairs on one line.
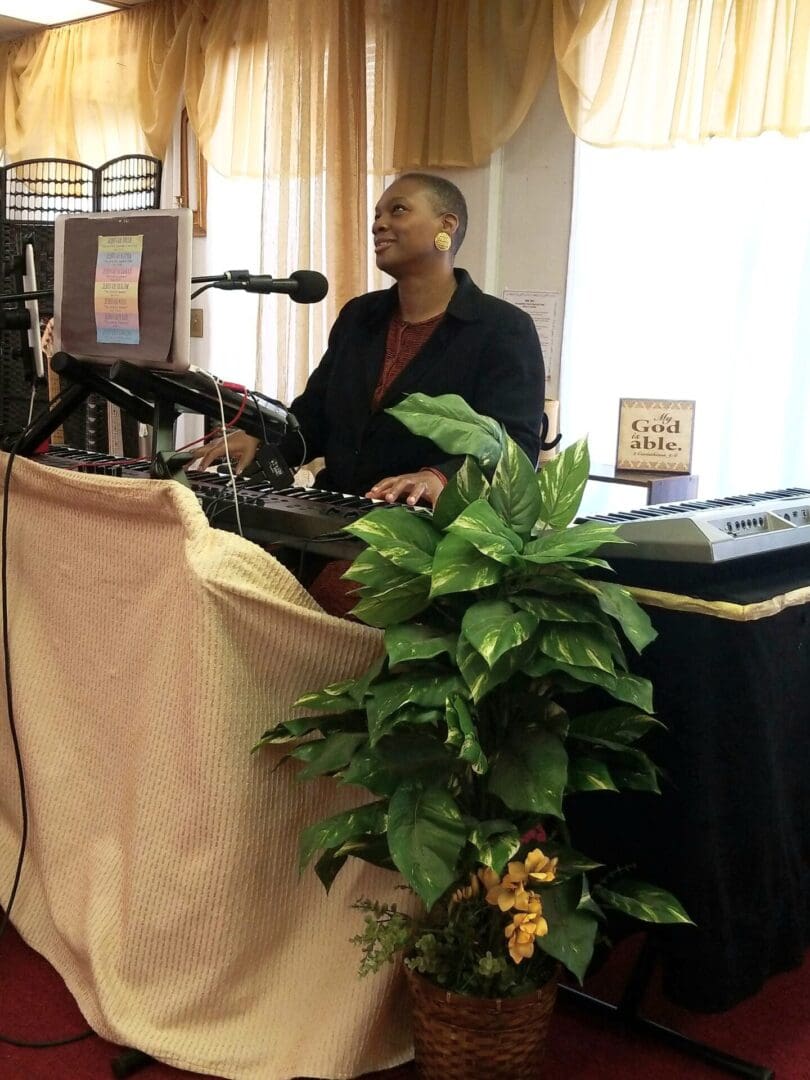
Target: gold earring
{"points": [[442, 241]]}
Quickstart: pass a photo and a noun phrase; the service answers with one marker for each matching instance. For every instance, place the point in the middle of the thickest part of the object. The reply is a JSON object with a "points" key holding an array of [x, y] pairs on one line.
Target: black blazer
{"points": [[485, 350]]}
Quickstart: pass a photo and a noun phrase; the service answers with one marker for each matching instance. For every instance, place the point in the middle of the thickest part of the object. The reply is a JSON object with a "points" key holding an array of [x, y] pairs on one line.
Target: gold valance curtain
{"points": [[655, 72], [459, 75]]}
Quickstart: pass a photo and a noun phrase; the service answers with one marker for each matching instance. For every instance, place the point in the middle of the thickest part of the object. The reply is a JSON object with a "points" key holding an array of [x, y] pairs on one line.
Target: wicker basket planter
{"points": [[457, 1037]]}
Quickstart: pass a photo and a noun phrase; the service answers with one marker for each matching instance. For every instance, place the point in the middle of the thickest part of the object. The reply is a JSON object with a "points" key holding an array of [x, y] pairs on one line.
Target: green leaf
{"points": [[633, 770], [559, 545], [334, 831], [569, 610], [430, 691], [450, 423], [571, 928], [630, 688], [401, 755], [404, 538], [371, 849], [410, 716], [328, 866], [478, 675], [480, 526], [588, 774], [426, 834], [327, 755], [515, 494], [411, 641], [530, 771], [459, 567], [571, 862], [333, 699], [465, 486], [292, 730], [576, 645], [462, 734], [619, 604], [562, 482], [642, 901], [494, 627], [617, 725], [495, 842], [393, 596]]}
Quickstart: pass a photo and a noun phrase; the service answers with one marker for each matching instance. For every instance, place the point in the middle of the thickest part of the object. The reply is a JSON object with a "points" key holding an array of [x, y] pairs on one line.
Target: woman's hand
{"points": [[412, 487], [241, 449]]}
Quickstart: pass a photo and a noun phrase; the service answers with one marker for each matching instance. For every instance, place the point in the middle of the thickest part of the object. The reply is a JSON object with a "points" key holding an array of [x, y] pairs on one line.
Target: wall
{"points": [[520, 213], [520, 219]]}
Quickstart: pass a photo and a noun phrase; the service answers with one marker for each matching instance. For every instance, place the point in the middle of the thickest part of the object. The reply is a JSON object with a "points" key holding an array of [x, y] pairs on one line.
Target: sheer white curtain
{"points": [[689, 277]]}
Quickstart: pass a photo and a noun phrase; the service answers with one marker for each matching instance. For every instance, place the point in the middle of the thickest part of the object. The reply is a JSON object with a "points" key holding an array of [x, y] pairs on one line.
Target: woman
{"points": [[434, 332]]}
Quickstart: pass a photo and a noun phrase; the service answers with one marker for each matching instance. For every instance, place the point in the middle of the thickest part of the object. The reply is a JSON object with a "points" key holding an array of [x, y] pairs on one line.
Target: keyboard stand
{"points": [[626, 1014]]}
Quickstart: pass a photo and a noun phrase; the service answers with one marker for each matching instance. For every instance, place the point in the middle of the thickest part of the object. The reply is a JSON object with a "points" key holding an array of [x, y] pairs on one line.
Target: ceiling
{"points": [[14, 28]]}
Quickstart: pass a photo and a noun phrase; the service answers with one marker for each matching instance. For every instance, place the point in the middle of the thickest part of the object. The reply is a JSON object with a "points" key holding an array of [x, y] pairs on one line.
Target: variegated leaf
{"points": [[642, 901], [558, 545], [571, 927], [459, 567], [621, 725], [515, 493], [459, 719], [404, 538], [588, 774], [333, 831], [480, 526], [428, 691], [576, 645], [619, 604], [562, 482], [426, 834], [450, 423], [496, 842], [411, 641], [410, 715], [494, 627], [464, 487], [530, 771], [394, 597]]}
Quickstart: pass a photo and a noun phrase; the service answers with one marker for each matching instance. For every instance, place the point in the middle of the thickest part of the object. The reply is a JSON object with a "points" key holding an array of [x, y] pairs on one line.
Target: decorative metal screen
{"points": [[32, 193]]}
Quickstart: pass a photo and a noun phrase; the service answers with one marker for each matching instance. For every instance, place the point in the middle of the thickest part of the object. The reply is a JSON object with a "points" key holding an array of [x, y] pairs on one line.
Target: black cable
{"points": [[17, 753], [47, 1045], [9, 695]]}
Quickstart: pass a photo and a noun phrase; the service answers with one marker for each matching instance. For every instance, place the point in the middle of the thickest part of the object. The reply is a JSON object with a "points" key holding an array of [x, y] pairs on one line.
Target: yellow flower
{"points": [[523, 929], [466, 892], [488, 878], [539, 867], [504, 892]]}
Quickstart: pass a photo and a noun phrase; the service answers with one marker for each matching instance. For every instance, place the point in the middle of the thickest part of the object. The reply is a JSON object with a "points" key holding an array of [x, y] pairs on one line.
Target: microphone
{"points": [[303, 286]]}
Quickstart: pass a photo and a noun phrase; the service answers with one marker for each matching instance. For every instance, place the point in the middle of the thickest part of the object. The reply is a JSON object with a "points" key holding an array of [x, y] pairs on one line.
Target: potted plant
{"points": [[464, 736]]}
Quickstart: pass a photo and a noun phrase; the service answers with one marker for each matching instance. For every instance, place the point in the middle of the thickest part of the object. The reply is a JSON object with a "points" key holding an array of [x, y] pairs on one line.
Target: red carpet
{"points": [[770, 1029]]}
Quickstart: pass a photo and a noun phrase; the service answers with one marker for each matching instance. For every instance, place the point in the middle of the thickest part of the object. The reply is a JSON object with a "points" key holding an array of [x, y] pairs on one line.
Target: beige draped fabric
{"points": [[148, 652], [655, 72]]}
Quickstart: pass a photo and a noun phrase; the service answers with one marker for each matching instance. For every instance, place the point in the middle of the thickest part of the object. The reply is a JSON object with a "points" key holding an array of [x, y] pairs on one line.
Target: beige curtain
{"points": [[93, 90], [467, 72], [655, 72]]}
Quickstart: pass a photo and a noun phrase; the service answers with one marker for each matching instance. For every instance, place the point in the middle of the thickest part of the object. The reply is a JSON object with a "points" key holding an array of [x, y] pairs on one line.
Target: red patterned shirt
{"points": [[403, 342]]}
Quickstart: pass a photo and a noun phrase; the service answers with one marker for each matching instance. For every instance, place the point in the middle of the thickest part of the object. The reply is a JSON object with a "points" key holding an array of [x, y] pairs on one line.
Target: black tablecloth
{"points": [[730, 835]]}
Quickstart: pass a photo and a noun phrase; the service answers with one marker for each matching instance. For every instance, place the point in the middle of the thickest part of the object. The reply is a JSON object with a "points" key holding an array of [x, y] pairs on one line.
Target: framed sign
{"points": [[655, 436]]}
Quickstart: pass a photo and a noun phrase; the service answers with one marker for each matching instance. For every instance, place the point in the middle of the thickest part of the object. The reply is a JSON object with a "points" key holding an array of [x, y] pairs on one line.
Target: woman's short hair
{"points": [[446, 198]]}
